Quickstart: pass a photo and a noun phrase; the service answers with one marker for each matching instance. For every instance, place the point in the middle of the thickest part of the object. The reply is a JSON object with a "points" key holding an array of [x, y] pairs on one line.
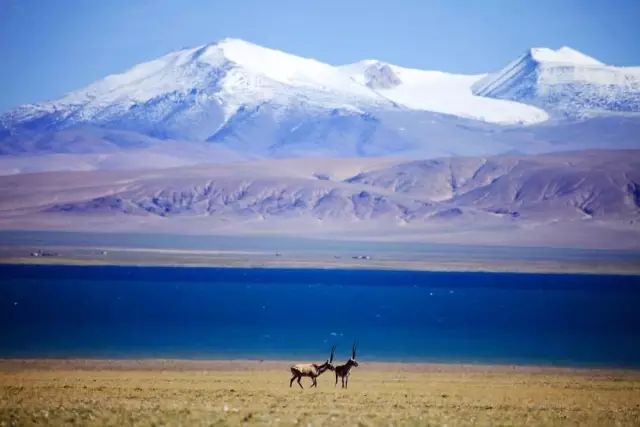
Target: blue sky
{"points": [[49, 47]]}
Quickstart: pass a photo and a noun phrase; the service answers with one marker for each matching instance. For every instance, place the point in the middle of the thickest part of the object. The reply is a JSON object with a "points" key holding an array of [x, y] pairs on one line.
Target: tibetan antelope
{"points": [[311, 370], [343, 371]]}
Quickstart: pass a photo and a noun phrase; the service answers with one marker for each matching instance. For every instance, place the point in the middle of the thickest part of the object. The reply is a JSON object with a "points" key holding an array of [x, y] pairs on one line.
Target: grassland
{"points": [[81, 392]]}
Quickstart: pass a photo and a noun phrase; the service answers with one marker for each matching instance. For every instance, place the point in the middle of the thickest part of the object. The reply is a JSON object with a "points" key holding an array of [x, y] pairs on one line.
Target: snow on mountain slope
{"points": [[565, 82], [191, 93], [439, 92], [564, 55], [236, 71], [263, 102]]}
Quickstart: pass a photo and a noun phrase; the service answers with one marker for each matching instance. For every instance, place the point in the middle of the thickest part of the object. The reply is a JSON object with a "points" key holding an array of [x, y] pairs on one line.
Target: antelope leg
{"points": [[299, 383]]}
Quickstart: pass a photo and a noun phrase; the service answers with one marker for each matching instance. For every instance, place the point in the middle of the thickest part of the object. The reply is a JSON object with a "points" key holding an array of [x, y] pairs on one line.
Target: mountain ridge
{"points": [[596, 194], [565, 82], [184, 69], [266, 102]]}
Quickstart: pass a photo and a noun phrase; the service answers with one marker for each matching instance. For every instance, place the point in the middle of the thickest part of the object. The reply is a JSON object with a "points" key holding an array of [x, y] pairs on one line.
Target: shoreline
{"points": [[142, 257], [256, 364], [283, 251]]}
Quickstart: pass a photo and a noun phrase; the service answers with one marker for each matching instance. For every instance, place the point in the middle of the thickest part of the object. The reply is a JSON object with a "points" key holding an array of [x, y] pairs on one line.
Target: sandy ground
{"points": [[301, 259], [170, 392]]}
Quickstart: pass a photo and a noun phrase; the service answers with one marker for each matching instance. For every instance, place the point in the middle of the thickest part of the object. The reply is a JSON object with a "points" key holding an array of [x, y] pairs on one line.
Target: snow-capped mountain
{"points": [[565, 82], [186, 143], [208, 85], [263, 102]]}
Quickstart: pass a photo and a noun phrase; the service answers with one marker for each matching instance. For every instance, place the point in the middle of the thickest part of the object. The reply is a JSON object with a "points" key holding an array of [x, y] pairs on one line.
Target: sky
{"points": [[48, 48]]}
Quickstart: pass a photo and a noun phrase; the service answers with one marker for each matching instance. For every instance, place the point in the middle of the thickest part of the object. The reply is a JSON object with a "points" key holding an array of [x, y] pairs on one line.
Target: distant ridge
{"points": [[566, 82], [575, 198]]}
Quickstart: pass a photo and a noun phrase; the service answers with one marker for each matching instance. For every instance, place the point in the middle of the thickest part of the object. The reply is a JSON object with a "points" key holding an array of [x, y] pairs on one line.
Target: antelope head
{"points": [[329, 363], [352, 361]]}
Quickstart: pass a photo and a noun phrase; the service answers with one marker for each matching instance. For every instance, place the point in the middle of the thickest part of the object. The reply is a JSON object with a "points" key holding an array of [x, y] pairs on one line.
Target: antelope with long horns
{"points": [[343, 371], [311, 370]]}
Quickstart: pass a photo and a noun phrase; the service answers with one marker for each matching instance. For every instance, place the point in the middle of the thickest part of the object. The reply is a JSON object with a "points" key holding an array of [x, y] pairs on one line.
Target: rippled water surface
{"points": [[279, 313]]}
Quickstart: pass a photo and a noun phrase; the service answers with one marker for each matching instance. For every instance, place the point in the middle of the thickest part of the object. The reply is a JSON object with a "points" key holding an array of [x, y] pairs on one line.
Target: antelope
{"points": [[311, 370], [343, 371]]}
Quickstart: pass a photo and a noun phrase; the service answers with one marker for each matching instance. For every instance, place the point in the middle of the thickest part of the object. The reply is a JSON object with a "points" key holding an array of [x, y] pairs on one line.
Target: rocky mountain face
{"points": [[585, 188]]}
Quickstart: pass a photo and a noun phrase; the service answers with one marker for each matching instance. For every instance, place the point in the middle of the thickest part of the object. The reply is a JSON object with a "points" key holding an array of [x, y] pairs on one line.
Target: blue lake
{"points": [[59, 311]]}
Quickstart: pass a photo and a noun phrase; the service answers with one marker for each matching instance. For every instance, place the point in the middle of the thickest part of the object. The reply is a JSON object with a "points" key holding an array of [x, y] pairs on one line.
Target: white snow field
{"points": [[439, 92]]}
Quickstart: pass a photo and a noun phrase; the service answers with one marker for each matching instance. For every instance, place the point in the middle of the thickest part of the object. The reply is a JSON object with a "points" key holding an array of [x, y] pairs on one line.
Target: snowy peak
{"points": [[197, 67], [192, 93], [280, 66], [199, 92], [565, 82], [263, 100], [564, 55]]}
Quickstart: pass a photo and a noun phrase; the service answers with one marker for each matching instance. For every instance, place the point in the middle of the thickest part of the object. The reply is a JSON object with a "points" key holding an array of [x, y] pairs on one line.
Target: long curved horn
{"points": [[353, 351], [333, 353]]}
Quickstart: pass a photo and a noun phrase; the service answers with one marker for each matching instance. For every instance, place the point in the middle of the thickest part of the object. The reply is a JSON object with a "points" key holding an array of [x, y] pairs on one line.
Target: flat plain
{"points": [[256, 259], [192, 392]]}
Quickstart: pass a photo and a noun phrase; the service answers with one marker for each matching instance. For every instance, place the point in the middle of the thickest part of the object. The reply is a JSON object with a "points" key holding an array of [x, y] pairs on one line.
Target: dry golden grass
{"points": [[231, 393]]}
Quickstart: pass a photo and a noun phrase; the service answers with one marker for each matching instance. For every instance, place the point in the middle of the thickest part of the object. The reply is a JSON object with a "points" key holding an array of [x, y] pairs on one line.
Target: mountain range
{"points": [[583, 199], [268, 103], [232, 136], [565, 82]]}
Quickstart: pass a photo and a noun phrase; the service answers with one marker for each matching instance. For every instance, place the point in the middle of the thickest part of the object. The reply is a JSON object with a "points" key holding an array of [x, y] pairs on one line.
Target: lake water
{"points": [[59, 311]]}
